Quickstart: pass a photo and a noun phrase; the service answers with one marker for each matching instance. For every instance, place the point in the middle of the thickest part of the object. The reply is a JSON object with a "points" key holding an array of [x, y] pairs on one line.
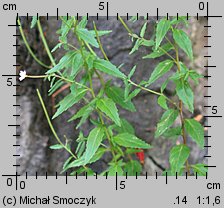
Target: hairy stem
{"points": [[28, 46]]}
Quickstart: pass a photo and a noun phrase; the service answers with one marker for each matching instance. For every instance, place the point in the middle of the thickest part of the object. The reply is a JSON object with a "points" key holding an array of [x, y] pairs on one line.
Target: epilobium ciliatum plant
{"points": [[111, 133]]}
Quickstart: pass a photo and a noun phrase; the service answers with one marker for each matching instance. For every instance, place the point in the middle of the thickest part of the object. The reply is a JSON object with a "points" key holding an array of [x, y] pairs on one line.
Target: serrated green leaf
{"points": [[33, 22], [77, 62], [178, 156], [65, 61], [185, 93], [172, 132], [81, 170], [101, 32], [87, 36], [83, 113], [80, 148], [132, 72], [89, 60], [56, 146], [133, 167], [162, 28], [141, 42], [161, 69], [162, 102], [125, 127], [108, 68], [195, 130], [56, 47], [117, 95], [166, 121], [66, 26], [180, 19], [143, 29], [184, 42], [130, 140], [83, 22], [115, 169], [136, 46], [147, 43], [132, 151], [195, 76], [163, 86], [69, 101], [199, 169], [160, 51], [171, 173], [76, 163], [133, 94], [93, 142], [107, 106], [67, 162], [133, 19], [55, 86], [99, 154]]}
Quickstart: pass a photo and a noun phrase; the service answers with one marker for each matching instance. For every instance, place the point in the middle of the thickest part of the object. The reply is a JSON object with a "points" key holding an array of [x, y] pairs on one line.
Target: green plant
{"points": [[111, 133]]}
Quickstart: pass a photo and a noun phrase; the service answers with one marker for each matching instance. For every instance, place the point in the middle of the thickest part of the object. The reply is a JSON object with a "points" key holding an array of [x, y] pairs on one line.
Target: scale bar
{"points": [[213, 116]]}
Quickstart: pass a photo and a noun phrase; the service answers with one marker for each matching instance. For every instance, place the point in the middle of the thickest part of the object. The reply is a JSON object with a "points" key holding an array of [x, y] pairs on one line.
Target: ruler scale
{"points": [[98, 191]]}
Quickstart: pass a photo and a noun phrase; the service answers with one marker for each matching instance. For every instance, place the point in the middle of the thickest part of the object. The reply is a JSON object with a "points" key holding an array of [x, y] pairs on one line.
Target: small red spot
{"points": [[141, 156]]}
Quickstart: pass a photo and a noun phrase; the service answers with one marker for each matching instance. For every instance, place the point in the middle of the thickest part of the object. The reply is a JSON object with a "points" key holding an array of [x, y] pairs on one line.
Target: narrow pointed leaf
{"points": [[195, 130], [129, 140], [162, 102], [184, 42], [161, 69], [161, 30], [107, 106], [77, 62], [117, 95], [114, 170], [160, 51], [65, 61], [69, 101], [87, 36], [166, 121], [56, 146], [132, 168], [185, 93], [108, 68], [199, 169], [142, 33], [33, 22], [125, 127], [93, 142], [178, 156]]}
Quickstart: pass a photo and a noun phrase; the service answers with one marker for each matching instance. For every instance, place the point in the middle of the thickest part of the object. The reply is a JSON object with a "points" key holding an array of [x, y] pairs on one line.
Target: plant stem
{"points": [[45, 43], [153, 92], [125, 25], [52, 128], [101, 119], [58, 76], [181, 112], [143, 88], [99, 42], [28, 46]]}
